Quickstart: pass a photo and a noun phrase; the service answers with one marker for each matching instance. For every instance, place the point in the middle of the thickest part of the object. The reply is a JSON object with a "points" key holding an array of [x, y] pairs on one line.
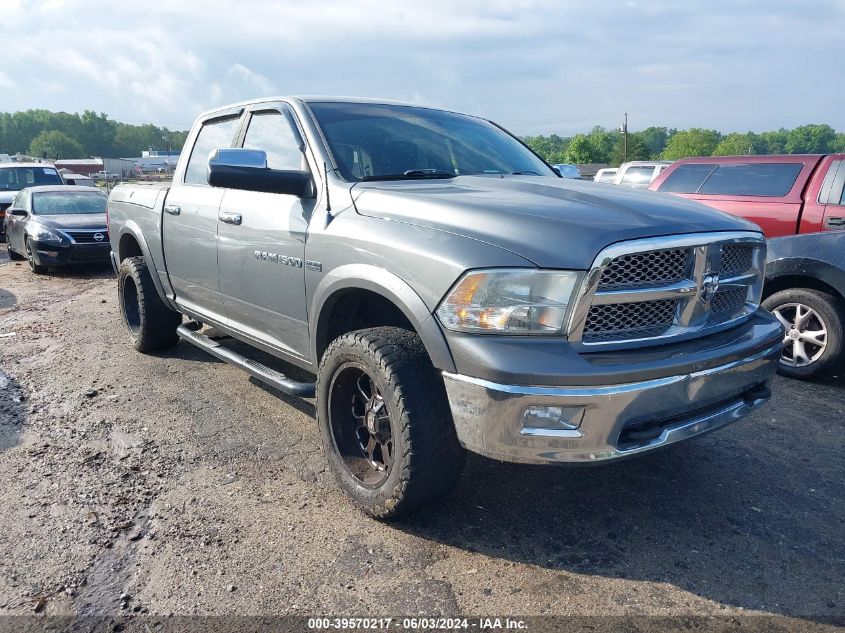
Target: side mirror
{"points": [[557, 171], [21, 213], [236, 168]]}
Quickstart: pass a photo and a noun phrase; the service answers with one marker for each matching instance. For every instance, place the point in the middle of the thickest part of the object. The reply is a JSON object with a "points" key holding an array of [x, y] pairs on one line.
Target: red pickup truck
{"points": [[784, 194]]}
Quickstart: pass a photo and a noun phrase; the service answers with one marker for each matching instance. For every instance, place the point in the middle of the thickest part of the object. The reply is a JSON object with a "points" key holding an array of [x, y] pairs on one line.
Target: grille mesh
{"points": [[728, 301], [736, 259], [645, 268], [629, 320], [84, 237]]}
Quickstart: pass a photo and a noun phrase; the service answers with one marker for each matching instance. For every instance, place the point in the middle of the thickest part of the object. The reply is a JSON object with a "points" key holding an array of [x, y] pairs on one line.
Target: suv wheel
{"points": [[151, 324], [812, 342], [38, 269], [385, 421]]}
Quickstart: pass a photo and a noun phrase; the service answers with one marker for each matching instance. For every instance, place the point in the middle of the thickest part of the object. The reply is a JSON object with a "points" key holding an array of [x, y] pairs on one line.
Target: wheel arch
{"points": [[789, 273], [344, 281], [131, 243]]}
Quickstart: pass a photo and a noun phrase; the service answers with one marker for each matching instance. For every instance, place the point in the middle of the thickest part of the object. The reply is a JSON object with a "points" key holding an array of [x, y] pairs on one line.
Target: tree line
{"points": [[42, 133], [608, 146]]}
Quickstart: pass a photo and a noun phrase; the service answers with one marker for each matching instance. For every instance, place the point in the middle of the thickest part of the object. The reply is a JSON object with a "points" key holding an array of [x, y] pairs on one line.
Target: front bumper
{"points": [[55, 255], [617, 420]]}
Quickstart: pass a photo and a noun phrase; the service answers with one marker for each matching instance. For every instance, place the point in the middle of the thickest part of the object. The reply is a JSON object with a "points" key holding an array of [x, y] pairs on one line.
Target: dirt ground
{"points": [[173, 484]]}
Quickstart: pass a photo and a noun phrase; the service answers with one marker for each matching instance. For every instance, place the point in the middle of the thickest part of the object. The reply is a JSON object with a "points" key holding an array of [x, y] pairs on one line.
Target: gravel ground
{"points": [[173, 484]]}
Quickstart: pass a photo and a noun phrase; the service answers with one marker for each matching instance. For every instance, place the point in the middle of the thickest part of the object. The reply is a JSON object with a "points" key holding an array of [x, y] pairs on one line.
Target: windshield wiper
{"points": [[412, 174], [524, 173]]}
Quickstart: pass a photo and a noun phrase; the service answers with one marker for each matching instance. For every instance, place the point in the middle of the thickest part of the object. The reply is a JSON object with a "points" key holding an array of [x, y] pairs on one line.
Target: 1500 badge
{"points": [[295, 262]]}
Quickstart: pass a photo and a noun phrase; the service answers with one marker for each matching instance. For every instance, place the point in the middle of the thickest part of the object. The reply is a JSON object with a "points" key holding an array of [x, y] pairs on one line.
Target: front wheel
{"points": [[151, 324], [385, 422], [812, 342], [35, 267]]}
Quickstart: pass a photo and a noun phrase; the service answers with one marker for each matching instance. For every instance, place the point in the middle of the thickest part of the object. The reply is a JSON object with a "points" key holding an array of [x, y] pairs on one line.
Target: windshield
{"points": [[16, 178], [382, 142], [67, 203]]}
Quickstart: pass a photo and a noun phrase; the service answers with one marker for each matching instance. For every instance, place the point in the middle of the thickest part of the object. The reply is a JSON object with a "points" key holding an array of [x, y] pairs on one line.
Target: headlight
{"points": [[510, 301], [44, 234]]}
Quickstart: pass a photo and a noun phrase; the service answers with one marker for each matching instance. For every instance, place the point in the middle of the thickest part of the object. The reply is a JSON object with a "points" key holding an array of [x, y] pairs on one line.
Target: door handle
{"points": [[231, 218], [836, 223], [172, 209]]}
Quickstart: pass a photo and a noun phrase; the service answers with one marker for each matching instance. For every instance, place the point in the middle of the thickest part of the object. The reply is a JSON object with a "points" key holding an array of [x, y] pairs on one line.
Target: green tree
{"points": [[602, 141], [580, 151], [775, 141], [55, 144], [810, 139], [737, 143], [655, 139], [692, 142], [838, 145], [637, 150]]}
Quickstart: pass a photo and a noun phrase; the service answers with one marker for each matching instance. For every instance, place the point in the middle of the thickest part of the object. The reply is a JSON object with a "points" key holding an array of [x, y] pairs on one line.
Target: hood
{"points": [[72, 221], [6, 196], [553, 222]]}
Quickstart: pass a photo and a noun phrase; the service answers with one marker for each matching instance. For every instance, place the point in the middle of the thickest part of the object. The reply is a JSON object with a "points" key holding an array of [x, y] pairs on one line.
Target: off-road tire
{"points": [[151, 324], [427, 458], [830, 309], [13, 255]]}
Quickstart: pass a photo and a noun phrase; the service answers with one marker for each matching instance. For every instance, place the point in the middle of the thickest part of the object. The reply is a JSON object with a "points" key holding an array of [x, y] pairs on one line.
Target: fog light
{"points": [[549, 418]]}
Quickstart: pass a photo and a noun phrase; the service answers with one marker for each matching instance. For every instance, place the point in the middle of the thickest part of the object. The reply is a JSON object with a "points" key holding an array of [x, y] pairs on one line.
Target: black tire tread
{"points": [[158, 321], [13, 254], [433, 459]]}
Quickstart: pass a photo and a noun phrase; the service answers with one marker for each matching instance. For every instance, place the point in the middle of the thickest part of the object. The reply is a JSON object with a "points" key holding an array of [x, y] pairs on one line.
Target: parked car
{"points": [[58, 225], [568, 171], [105, 175], [605, 175], [783, 194], [16, 176], [79, 180], [639, 173], [446, 291], [805, 290]]}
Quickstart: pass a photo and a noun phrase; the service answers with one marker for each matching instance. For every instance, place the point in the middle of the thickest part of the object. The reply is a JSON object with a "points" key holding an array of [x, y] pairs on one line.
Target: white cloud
{"points": [[533, 65]]}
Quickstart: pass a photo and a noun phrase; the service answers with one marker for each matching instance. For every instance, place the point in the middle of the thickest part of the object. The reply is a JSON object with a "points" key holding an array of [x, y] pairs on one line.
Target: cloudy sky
{"points": [[532, 65]]}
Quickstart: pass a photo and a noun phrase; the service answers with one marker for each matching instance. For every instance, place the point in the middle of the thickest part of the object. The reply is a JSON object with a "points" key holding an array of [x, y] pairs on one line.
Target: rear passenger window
{"points": [[212, 136], [271, 132], [752, 179], [686, 178]]}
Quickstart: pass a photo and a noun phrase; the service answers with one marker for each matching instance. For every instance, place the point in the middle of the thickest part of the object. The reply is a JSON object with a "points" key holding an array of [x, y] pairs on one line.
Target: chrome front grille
{"points": [[630, 320], [736, 259], [86, 236], [661, 289], [644, 268]]}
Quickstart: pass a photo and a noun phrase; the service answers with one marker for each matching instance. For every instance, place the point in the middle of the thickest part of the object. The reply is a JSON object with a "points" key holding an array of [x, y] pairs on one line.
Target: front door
{"points": [[189, 225], [261, 243]]}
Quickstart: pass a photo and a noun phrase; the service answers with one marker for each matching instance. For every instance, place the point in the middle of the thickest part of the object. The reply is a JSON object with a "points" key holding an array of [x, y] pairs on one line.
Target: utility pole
{"points": [[625, 136]]}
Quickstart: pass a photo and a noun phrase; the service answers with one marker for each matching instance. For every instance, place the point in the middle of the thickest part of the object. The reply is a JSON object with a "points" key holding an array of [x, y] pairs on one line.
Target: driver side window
{"points": [[271, 132]]}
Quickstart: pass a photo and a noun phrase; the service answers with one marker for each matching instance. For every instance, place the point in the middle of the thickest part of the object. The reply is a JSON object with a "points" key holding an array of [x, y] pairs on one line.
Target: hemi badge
{"points": [[310, 264]]}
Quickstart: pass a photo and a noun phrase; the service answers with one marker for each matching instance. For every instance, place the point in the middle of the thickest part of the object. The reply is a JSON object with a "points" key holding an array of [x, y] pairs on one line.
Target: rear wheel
{"points": [[38, 269], [813, 341], [151, 323], [385, 421]]}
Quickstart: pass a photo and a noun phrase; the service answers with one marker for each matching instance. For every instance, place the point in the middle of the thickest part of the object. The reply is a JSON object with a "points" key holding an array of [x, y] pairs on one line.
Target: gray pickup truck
{"points": [[442, 289]]}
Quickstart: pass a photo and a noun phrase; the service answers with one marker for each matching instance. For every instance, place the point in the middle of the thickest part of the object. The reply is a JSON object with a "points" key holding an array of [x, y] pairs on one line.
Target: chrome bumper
{"points": [[614, 419]]}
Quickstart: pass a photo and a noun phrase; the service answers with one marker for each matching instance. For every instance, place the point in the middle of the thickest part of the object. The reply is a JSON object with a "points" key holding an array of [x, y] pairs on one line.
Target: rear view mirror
{"points": [[235, 168]]}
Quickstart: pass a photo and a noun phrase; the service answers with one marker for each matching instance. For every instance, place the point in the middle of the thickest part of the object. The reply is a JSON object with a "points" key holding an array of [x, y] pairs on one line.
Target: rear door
{"points": [[832, 196], [189, 224], [261, 241]]}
